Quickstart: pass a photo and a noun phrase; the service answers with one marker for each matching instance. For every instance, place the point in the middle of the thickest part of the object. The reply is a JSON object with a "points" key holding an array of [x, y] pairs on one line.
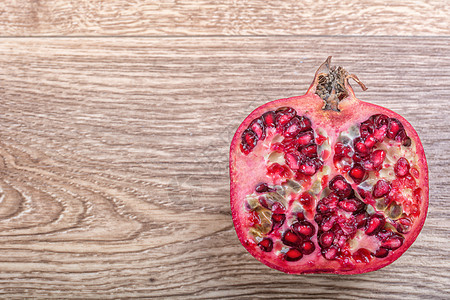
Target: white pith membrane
{"points": [[286, 192]]}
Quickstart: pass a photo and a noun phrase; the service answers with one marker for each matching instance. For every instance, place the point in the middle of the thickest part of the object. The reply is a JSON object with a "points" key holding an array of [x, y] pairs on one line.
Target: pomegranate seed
{"points": [[370, 141], [304, 228], [401, 168], [290, 238], [305, 123], [266, 245], [401, 136], [259, 128], [294, 160], [293, 254], [307, 247], [374, 224], [306, 200], [278, 170], [292, 128], [393, 128], [407, 142], [320, 139], [381, 188], [351, 205], [380, 120], [310, 151], [382, 252], [362, 256], [328, 223], [340, 186], [308, 168], [278, 220], [366, 128], [269, 119], [249, 140], [326, 239], [393, 243], [330, 253], [262, 188], [284, 115], [341, 150], [361, 148], [357, 173], [375, 160], [361, 220], [380, 133], [300, 216], [403, 225], [305, 138]]}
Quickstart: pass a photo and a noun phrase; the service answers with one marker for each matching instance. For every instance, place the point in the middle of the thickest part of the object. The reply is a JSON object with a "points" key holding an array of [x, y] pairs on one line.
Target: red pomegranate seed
{"points": [[375, 160], [330, 253], [393, 128], [269, 119], [249, 140], [341, 150], [320, 139], [262, 188], [403, 225], [381, 188], [278, 219], [351, 205], [308, 168], [284, 115], [279, 170], [266, 245], [304, 228], [361, 220], [326, 239], [393, 243], [382, 252], [307, 247], [290, 238], [366, 128], [374, 224], [292, 128], [310, 151], [370, 141], [306, 200], [357, 173], [294, 160], [340, 186], [362, 256], [305, 138], [361, 148], [380, 133], [259, 128], [401, 168], [380, 120], [293, 254]]}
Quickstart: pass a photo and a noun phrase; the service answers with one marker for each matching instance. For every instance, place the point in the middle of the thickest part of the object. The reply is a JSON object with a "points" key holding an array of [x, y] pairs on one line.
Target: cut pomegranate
{"points": [[327, 183]]}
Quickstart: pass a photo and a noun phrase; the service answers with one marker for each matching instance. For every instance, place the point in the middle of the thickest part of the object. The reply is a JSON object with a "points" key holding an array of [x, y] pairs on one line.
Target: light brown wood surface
{"points": [[114, 150], [206, 17]]}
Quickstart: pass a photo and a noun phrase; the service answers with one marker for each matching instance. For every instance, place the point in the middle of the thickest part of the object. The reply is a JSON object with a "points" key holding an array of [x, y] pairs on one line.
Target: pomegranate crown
{"points": [[331, 84]]}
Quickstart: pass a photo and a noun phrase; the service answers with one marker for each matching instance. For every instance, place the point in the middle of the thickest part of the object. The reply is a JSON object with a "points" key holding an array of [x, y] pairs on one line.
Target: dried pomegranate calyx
{"points": [[332, 84]]}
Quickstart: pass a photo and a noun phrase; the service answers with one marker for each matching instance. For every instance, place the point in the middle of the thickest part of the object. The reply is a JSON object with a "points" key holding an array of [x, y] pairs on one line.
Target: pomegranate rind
{"points": [[246, 171]]}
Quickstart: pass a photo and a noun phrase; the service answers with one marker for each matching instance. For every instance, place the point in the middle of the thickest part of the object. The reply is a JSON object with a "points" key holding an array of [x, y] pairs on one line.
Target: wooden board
{"points": [[114, 162], [206, 17]]}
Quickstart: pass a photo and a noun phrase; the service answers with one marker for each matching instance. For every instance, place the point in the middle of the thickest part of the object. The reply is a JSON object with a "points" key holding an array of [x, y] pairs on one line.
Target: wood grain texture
{"points": [[206, 17], [114, 163]]}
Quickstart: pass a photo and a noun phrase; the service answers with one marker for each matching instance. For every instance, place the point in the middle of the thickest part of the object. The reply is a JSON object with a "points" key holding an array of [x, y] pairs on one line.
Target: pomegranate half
{"points": [[327, 183]]}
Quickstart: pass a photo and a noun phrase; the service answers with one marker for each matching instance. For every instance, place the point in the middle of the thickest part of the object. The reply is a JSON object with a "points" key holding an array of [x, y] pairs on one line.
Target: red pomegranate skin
{"points": [[249, 170]]}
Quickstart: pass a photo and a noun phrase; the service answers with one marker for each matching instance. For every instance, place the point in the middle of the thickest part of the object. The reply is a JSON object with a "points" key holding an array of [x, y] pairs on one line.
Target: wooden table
{"points": [[116, 119]]}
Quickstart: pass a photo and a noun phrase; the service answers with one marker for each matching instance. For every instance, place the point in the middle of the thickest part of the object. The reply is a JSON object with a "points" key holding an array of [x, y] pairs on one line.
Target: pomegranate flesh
{"points": [[327, 183]]}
